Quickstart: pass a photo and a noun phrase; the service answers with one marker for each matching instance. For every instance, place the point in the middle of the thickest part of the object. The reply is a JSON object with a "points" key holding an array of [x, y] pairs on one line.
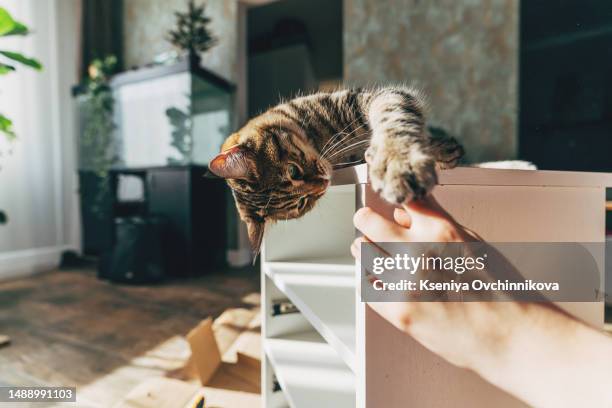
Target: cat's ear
{"points": [[255, 230], [232, 163]]}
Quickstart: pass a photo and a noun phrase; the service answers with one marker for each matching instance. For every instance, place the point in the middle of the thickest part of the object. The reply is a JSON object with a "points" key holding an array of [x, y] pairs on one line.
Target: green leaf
{"points": [[7, 24], [6, 127], [18, 29], [3, 217], [31, 62], [5, 69]]}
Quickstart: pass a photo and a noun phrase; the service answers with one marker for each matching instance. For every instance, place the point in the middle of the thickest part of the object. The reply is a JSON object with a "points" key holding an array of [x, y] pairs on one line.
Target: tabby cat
{"points": [[280, 163]]}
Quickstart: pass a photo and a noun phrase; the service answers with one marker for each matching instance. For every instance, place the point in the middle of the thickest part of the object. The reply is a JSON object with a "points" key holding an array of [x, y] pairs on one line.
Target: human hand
{"points": [[532, 350], [418, 221], [469, 327]]}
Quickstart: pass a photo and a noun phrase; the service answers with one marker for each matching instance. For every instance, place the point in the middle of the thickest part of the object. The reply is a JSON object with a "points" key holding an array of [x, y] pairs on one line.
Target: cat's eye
{"points": [[294, 172]]}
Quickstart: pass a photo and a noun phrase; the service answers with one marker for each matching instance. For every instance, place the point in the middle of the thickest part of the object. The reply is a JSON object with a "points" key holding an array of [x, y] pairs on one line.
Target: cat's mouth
{"points": [[323, 184], [302, 203], [310, 200]]}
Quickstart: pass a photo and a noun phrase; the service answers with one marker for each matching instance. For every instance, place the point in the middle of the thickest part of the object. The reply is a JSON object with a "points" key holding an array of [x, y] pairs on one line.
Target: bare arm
{"points": [[553, 360], [533, 351]]}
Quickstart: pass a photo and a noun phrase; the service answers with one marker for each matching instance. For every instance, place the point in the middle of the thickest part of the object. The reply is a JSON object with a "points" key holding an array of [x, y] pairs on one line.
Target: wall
{"points": [[146, 23], [37, 181], [463, 54]]}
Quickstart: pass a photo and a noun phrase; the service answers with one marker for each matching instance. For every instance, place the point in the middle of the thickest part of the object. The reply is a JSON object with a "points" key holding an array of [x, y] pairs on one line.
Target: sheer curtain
{"points": [[38, 189]]}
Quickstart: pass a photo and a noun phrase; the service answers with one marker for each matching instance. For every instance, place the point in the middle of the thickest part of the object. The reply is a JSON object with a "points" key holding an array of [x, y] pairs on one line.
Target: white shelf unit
{"points": [[311, 354], [317, 357], [310, 372], [334, 315]]}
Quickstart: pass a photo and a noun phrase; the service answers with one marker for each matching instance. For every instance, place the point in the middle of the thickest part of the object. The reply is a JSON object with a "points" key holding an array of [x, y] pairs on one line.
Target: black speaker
{"points": [[137, 256]]}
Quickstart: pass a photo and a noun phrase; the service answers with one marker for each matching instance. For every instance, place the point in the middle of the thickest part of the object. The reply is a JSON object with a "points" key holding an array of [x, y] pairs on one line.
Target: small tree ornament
{"points": [[191, 32]]}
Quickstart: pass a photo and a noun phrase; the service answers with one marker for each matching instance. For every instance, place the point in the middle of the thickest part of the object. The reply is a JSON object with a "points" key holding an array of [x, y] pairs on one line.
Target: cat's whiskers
{"points": [[267, 194], [352, 132], [341, 142], [336, 135], [331, 140], [330, 152], [343, 138], [281, 199], [336, 165], [349, 148], [339, 139], [353, 121]]}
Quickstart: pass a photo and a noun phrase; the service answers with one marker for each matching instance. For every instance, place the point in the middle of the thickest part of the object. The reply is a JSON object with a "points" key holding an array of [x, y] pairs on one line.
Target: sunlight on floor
{"points": [[236, 329]]}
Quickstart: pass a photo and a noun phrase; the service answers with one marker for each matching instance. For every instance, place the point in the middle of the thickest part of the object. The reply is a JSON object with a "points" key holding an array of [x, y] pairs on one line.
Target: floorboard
{"points": [[70, 328]]}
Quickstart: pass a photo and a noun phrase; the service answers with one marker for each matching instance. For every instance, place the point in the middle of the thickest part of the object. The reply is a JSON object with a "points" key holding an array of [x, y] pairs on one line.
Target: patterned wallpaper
{"points": [[146, 23], [463, 54]]}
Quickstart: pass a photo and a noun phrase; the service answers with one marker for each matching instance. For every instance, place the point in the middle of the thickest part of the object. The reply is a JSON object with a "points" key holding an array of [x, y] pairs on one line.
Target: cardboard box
{"points": [[224, 380]]}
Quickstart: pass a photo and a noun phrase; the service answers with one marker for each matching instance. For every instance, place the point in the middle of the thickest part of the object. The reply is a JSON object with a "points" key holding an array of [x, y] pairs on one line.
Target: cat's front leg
{"points": [[401, 168]]}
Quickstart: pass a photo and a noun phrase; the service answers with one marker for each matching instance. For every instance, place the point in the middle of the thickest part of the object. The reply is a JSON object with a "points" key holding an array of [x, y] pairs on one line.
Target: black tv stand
{"points": [[194, 209]]}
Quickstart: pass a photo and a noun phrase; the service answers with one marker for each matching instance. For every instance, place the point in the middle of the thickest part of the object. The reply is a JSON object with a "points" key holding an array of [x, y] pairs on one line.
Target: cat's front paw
{"points": [[401, 176]]}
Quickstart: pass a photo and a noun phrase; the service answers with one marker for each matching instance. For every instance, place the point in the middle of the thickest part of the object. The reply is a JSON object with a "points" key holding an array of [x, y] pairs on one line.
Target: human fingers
{"points": [[356, 247], [377, 228], [402, 217]]}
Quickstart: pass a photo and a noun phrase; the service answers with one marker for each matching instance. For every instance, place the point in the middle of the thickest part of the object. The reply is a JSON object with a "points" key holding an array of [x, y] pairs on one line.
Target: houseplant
{"points": [[97, 137], [191, 33], [9, 26]]}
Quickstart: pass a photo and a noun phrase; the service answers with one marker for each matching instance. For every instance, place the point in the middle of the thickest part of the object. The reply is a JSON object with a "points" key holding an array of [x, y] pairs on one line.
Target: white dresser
{"points": [[317, 357]]}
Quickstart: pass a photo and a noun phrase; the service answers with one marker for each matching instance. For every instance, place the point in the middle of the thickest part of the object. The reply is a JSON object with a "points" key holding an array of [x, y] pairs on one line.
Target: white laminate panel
{"points": [[400, 372]]}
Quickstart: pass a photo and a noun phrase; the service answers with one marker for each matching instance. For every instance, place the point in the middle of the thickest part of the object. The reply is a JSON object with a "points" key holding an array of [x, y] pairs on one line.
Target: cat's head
{"points": [[274, 174]]}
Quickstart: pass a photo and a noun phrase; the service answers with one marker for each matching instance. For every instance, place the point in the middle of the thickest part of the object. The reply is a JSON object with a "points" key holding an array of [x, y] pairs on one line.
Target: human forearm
{"points": [[552, 360]]}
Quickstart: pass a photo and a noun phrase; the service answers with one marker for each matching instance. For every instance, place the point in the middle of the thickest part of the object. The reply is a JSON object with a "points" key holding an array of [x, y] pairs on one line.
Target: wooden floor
{"points": [[69, 328]]}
